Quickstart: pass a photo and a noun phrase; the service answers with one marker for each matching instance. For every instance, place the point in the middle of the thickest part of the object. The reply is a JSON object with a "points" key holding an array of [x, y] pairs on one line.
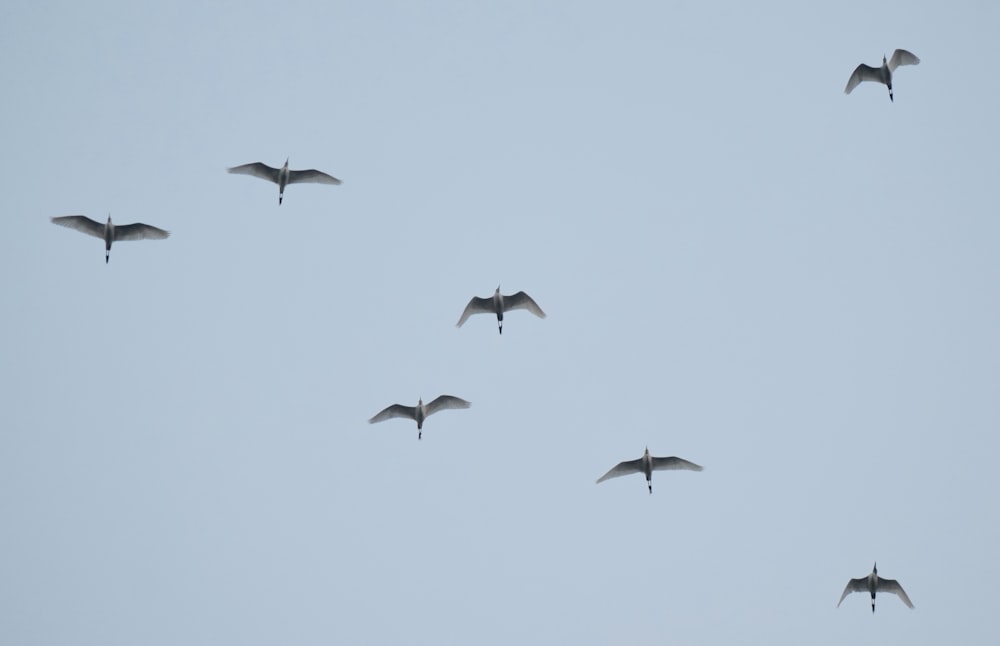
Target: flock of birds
{"points": [[498, 304]]}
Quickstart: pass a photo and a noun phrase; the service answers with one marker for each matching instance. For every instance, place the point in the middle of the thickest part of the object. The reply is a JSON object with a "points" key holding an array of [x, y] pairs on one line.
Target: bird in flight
{"points": [[283, 176], [874, 583], [647, 464], [498, 304], [110, 232], [882, 74], [421, 411]]}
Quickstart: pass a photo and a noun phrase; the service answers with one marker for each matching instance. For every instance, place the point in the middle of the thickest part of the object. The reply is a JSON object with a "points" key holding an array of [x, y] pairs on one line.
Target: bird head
{"points": [[875, 568]]}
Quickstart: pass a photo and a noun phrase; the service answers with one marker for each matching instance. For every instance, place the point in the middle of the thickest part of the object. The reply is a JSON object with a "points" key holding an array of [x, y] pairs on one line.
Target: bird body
{"points": [[283, 176], [110, 232], [646, 465], [498, 304], [874, 583], [421, 411], [881, 74]]}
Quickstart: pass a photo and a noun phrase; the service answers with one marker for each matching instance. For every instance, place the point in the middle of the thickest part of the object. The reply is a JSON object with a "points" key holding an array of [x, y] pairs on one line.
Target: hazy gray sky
{"points": [[741, 265]]}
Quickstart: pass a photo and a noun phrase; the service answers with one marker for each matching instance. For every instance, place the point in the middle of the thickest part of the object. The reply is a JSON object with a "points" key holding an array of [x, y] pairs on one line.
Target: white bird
{"points": [[111, 232], [647, 464], [874, 583], [421, 411], [282, 176], [882, 74], [499, 304]]}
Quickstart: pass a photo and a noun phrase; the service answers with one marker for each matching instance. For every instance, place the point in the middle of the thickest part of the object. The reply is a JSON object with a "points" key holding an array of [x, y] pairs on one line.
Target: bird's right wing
{"points": [[257, 169], [663, 464], [314, 176], [476, 306], [396, 410], [622, 469], [902, 57], [81, 223], [445, 402], [854, 585], [140, 231], [891, 585], [521, 301], [863, 73]]}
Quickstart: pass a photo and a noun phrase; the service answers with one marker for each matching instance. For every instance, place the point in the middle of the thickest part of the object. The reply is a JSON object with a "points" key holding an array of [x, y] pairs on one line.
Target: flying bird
{"points": [[499, 304], [111, 232], [421, 411], [882, 74], [282, 176], [874, 583], [647, 464]]}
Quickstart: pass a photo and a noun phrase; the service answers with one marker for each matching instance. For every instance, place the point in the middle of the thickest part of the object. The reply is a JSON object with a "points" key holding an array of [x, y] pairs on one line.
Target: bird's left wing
{"points": [[891, 585], [664, 464], [902, 57], [521, 301], [445, 402], [313, 176], [139, 231]]}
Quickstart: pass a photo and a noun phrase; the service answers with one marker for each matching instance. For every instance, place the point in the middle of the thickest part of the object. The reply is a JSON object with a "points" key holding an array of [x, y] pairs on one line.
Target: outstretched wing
{"points": [[257, 169], [313, 176], [476, 306], [396, 410], [81, 223], [854, 585], [863, 73], [902, 57], [891, 585], [671, 463], [622, 469], [445, 402], [139, 231], [521, 301]]}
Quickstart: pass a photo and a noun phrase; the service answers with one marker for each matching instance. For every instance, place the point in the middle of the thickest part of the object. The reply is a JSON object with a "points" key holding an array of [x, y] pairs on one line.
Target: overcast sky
{"points": [[741, 266]]}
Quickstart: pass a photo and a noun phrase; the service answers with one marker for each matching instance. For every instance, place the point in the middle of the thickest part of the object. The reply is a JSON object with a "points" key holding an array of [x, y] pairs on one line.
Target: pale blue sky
{"points": [[741, 265]]}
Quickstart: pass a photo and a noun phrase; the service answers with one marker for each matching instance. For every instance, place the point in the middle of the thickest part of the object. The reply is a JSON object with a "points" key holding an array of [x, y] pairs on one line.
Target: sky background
{"points": [[741, 266]]}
